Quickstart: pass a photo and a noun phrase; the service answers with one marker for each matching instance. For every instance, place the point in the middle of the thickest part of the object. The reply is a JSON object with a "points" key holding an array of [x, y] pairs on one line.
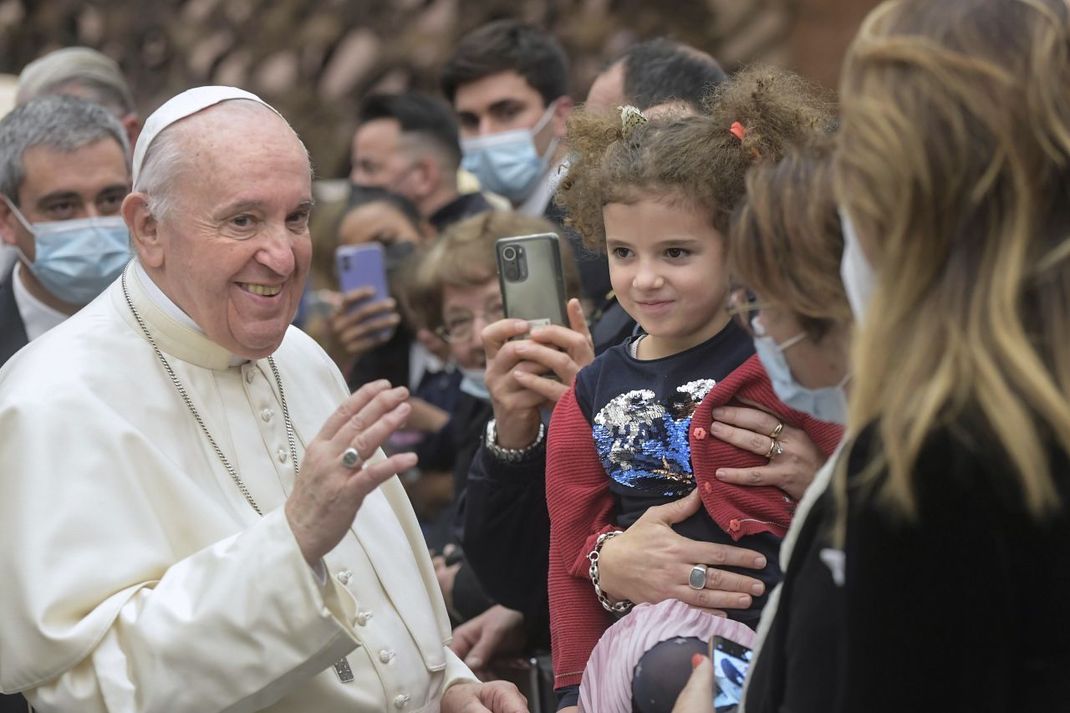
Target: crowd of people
{"points": [[800, 440]]}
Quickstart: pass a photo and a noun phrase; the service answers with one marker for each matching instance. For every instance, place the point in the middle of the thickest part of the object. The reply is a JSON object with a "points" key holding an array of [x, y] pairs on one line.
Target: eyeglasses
{"points": [[460, 326]]}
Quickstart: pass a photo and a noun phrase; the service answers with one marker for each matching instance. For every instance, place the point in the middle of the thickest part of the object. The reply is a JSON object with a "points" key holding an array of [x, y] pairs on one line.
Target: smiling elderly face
{"points": [[232, 250]]}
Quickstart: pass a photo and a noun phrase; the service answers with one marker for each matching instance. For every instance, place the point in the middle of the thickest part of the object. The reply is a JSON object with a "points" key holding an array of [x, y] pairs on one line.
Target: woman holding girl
{"points": [[636, 430]]}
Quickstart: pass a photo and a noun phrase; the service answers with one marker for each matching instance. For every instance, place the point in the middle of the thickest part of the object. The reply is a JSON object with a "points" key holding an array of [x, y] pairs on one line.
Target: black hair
{"points": [[660, 70], [505, 45], [363, 195], [417, 113]]}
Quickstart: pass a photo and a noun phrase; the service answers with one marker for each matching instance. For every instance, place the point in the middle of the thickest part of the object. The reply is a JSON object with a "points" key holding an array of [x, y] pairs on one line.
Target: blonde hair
{"points": [[696, 159], [785, 240], [954, 165], [464, 256]]}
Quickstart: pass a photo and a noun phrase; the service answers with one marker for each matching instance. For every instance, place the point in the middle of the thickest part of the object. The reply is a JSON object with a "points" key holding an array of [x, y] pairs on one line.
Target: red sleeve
{"points": [[743, 510], [580, 506]]}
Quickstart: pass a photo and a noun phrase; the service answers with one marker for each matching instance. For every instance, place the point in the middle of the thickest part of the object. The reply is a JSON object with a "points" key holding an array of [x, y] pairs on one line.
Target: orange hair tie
{"points": [[737, 130]]}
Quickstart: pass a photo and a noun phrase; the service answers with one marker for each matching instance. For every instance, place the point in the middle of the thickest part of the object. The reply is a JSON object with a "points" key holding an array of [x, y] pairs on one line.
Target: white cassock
{"points": [[134, 576]]}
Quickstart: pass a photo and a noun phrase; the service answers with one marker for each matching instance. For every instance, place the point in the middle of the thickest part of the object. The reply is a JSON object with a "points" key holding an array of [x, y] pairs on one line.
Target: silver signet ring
{"points": [[350, 458], [697, 578]]}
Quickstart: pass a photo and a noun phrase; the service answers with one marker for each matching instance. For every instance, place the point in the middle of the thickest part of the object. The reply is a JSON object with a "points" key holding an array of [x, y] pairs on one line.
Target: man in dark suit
{"points": [[64, 171]]}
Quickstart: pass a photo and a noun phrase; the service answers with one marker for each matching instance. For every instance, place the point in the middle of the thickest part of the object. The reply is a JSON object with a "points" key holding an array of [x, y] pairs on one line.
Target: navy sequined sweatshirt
{"points": [[640, 415]]}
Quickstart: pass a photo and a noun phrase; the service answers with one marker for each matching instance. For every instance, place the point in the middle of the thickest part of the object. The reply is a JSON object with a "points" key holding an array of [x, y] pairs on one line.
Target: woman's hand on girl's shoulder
{"points": [[792, 466]]}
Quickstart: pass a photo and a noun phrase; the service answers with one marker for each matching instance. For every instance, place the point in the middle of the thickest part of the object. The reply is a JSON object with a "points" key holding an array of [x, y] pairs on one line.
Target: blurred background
{"points": [[315, 59]]}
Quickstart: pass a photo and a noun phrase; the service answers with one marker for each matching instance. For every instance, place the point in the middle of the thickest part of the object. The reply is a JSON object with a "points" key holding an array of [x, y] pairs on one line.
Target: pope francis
{"points": [[195, 513]]}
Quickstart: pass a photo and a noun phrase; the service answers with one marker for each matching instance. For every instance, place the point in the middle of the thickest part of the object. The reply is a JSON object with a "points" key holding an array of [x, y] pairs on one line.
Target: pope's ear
{"points": [[144, 229]]}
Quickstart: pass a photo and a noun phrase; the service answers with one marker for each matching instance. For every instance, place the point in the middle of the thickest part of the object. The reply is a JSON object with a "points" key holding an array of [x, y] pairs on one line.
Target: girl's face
{"points": [[666, 264]]}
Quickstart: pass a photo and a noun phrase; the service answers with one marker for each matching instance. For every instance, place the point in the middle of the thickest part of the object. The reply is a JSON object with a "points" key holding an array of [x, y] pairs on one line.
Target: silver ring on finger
{"points": [[351, 458], [697, 579]]}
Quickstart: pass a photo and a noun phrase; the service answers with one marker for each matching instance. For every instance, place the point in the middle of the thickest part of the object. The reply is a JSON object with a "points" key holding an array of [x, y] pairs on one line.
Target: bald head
{"points": [[85, 73]]}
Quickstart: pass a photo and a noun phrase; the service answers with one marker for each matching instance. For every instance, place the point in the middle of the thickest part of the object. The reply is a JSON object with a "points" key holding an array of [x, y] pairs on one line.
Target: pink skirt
{"points": [[607, 680]]}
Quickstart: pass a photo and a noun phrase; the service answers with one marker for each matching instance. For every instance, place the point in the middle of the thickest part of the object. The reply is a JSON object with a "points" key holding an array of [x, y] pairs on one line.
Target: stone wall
{"points": [[314, 59]]}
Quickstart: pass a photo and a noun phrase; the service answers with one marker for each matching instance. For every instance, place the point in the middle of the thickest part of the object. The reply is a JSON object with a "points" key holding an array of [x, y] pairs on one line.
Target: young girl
{"points": [[634, 430]]}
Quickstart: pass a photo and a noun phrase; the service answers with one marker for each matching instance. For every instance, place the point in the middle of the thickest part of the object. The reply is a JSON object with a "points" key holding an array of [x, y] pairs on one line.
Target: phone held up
{"points": [[730, 664], [362, 266], [532, 279]]}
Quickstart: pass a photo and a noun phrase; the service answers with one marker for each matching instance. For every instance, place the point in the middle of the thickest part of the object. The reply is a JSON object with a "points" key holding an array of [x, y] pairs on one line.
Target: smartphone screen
{"points": [[730, 664]]}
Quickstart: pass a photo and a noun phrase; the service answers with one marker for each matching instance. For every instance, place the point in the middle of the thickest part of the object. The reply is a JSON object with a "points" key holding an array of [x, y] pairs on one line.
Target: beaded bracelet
{"points": [[618, 608]]}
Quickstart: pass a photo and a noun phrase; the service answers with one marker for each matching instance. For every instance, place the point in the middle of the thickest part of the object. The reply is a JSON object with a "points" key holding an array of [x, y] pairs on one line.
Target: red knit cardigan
{"points": [[581, 505]]}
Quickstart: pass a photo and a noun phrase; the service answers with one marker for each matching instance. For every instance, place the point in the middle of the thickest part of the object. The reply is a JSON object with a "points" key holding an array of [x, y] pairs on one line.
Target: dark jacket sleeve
{"points": [[507, 530]]}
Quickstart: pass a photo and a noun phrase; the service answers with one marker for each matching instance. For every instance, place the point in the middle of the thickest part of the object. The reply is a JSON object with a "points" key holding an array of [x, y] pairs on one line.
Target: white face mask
{"points": [[856, 272], [507, 163], [825, 404], [76, 259], [474, 384]]}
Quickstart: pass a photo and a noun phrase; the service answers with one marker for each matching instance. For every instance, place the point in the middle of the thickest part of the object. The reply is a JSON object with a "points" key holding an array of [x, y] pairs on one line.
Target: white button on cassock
{"points": [[266, 414], [344, 576], [363, 617], [386, 655], [401, 701], [250, 374], [282, 455]]}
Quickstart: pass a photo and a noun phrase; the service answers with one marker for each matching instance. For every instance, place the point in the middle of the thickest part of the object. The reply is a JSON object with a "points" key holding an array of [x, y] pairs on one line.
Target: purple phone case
{"points": [[362, 266]]}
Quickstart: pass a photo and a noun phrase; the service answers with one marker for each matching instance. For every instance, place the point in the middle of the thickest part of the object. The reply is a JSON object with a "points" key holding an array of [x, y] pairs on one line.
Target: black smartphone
{"points": [[532, 279], [730, 664]]}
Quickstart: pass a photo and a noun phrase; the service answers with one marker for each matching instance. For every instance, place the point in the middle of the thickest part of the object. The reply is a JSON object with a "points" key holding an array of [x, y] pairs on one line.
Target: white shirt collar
{"points": [[37, 317], [198, 350], [544, 192]]}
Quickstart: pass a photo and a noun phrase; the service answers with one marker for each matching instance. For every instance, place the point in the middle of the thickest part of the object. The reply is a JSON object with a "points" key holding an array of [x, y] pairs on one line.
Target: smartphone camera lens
{"points": [[509, 254]]}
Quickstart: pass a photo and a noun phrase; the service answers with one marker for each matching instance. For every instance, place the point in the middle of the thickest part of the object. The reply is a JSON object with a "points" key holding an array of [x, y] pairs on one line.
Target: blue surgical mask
{"points": [[474, 384], [855, 270], [76, 259], [507, 163], [825, 404]]}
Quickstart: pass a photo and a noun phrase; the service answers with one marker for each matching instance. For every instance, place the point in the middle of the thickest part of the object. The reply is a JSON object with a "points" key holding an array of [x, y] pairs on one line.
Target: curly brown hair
{"points": [[694, 159]]}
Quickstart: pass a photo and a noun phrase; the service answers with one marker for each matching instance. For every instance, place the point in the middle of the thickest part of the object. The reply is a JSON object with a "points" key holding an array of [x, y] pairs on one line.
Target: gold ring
{"points": [[777, 430]]}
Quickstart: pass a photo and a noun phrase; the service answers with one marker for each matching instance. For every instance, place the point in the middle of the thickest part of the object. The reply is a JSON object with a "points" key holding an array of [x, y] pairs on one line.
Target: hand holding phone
{"points": [[369, 316], [362, 266], [730, 664]]}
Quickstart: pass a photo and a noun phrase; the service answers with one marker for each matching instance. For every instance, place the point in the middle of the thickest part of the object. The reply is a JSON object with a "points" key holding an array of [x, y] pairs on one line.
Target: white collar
{"points": [[172, 329], [37, 317], [540, 198]]}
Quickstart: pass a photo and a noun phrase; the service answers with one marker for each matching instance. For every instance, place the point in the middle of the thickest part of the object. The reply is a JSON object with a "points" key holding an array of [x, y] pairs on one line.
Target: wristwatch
{"points": [[512, 455]]}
